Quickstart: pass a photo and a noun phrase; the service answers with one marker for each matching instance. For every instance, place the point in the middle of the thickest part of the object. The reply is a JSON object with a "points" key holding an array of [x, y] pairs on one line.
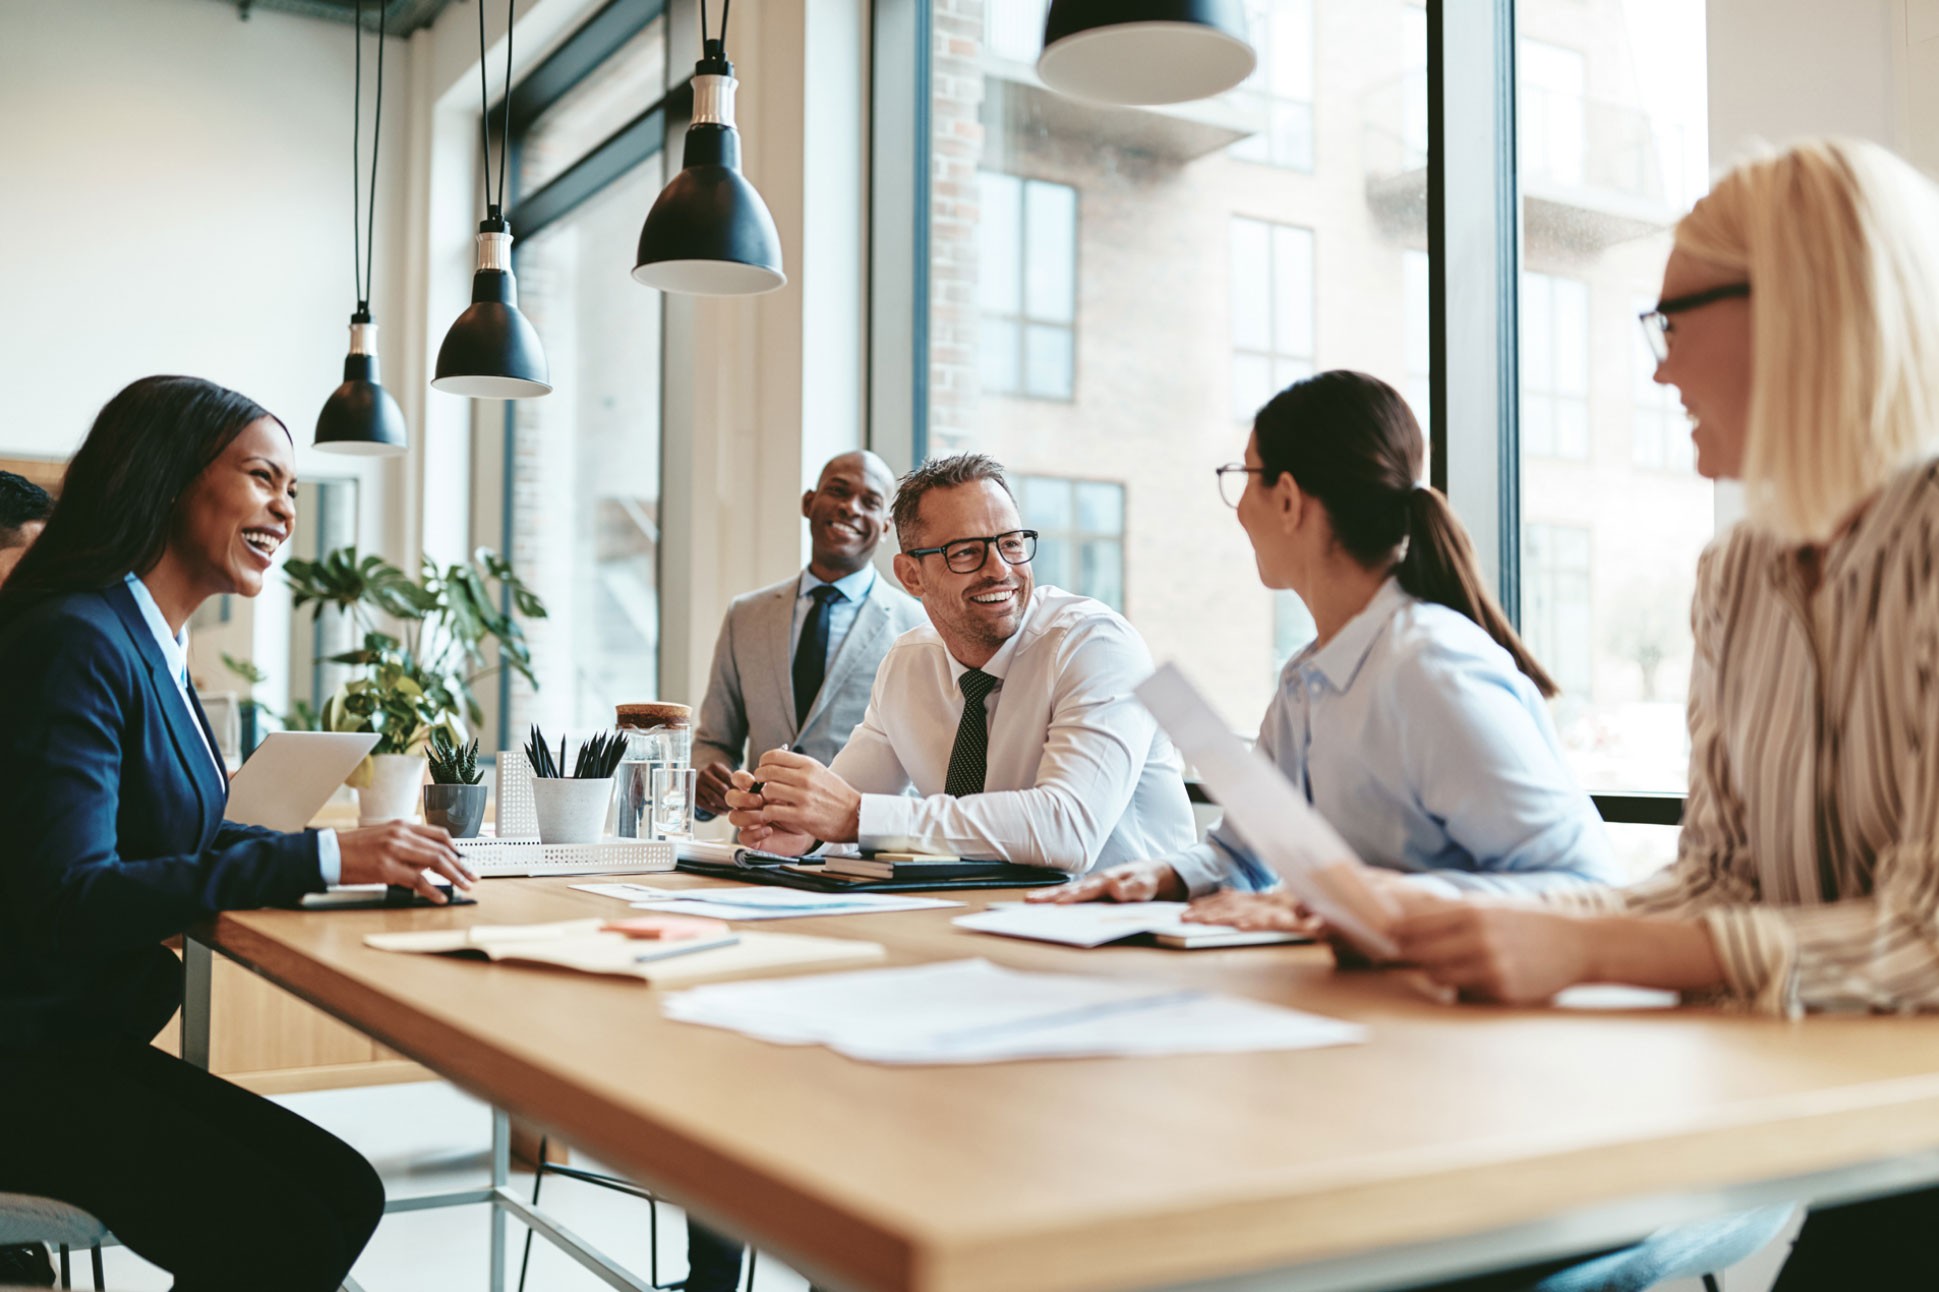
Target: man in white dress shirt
{"points": [[1010, 714]]}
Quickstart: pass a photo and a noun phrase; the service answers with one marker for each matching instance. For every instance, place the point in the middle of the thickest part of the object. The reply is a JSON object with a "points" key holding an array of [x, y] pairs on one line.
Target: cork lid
{"points": [[644, 717]]}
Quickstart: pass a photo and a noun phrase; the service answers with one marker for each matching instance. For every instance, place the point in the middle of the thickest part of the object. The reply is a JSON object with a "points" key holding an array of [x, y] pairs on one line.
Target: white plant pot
{"points": [[571, 810], [392, 793]]}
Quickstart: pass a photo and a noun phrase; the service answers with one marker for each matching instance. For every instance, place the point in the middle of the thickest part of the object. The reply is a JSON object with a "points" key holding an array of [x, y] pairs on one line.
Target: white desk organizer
{"points": [[502, 858], [518, 814], [516, 851]]}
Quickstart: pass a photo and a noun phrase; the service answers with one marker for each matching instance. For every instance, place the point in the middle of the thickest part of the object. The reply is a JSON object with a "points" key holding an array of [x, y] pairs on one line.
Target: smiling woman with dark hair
{"points": [[112, 794]]}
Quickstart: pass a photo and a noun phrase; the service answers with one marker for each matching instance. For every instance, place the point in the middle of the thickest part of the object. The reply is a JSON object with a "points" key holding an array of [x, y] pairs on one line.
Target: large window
{"points": [[1080, 525], [1555, 367], [1613, 119], [1027, 286], [1130, 284], [1272, 311], [1278, 96], [581, 466]]}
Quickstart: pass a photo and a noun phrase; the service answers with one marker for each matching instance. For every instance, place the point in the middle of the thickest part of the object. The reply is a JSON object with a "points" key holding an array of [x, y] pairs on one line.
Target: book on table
{"points": [[908, 865]]}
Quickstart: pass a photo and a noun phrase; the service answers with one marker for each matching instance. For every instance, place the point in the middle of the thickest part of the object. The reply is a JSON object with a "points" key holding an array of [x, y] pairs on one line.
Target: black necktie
{"points": [[811, 653], [969, 758]]}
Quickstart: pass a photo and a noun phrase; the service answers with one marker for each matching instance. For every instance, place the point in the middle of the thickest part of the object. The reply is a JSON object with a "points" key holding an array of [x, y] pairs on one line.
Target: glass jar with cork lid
{"points": [[656, 779]]}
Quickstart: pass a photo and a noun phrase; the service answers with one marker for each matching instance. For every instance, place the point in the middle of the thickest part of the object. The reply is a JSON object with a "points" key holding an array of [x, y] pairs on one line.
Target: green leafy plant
{"points": [[420, 679], [450, 763]]}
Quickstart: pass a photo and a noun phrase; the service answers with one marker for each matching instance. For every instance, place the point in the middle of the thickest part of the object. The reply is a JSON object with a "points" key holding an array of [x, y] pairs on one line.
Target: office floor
{"points": [[429, 1138]]}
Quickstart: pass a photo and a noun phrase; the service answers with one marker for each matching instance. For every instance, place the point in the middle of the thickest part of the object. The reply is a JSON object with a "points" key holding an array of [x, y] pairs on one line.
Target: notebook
{"points": [[585, 946], [902, 866]]}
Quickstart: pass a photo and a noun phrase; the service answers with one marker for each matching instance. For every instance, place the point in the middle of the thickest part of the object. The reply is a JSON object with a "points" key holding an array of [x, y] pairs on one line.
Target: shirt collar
{"points": [[853, 587], [998, 666], [175, 648], [1340, 659]]}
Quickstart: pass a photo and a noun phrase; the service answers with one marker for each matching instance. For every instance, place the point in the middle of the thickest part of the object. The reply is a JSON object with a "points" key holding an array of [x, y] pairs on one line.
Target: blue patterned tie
{"points": [[969, 758]]}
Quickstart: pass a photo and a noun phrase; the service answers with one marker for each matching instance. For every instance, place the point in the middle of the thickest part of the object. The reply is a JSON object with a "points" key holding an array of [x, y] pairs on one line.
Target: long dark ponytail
{"points": [[1350, 441], [147, 445]]}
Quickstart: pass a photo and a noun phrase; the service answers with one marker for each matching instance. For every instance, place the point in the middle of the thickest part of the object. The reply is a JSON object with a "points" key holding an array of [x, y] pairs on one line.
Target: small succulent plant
{"points": [[450, 764]]}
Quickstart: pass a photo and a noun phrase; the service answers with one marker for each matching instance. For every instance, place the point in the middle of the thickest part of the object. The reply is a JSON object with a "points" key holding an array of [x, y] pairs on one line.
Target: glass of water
{"points": [[670, 801]]}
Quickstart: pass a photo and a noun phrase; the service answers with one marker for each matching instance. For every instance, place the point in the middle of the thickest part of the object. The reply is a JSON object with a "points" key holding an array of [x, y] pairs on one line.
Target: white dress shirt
{"points": [[175, 649], [1079, 775]]}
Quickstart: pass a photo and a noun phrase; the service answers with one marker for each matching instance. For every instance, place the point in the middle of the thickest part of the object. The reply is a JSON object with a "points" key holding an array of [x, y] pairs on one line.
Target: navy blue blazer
{"points": [[111, 829]]}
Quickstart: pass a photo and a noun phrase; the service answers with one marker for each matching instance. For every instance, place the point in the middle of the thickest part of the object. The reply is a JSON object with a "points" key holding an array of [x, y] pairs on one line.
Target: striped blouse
{"points": [[1810, 840]]}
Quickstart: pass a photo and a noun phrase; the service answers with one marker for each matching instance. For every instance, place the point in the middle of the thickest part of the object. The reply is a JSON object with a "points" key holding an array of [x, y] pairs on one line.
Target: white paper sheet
{"points": [[1262, 805], [971, 1011], [752, 903], [1084, 924], [630, 892]]}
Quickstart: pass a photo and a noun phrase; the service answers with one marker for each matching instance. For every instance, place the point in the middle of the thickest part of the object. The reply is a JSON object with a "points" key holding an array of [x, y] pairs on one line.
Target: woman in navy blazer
{"points": [[111, 800]]}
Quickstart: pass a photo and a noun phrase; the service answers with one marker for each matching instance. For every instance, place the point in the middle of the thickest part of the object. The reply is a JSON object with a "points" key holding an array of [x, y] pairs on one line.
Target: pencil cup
{"points": [[571, 810], [671, 801]]}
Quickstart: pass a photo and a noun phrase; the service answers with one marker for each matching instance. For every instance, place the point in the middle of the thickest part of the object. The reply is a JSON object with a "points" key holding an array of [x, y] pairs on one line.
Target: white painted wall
{"points": [[178, 200], [1780, 69]]}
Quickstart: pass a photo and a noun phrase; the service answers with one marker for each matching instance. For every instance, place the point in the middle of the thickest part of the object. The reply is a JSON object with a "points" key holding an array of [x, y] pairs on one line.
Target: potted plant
{"points": [[572, 806], [409, 684], [455, 798]]}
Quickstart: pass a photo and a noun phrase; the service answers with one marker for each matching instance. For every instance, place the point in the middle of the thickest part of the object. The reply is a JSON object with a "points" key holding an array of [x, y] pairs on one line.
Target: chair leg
{"points": [[753, 1256], [67, 1275], [1713, 1283], [538, 1181], [94, 1257]]}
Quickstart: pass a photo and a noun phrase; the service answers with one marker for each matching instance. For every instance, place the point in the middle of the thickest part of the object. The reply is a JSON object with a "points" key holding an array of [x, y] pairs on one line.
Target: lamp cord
{"points": [[726, 8], [367, 251], [495, 208]]}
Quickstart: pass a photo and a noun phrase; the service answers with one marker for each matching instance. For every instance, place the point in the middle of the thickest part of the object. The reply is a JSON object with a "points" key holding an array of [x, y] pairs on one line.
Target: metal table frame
{"points": [[198, 959]]}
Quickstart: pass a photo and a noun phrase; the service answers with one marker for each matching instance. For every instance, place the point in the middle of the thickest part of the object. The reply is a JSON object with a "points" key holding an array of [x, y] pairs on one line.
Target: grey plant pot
{"points": [[458, 808]]}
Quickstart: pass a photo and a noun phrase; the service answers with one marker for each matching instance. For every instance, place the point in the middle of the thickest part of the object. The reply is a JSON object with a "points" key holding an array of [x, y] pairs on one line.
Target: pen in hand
{"points": [[758, 786]]}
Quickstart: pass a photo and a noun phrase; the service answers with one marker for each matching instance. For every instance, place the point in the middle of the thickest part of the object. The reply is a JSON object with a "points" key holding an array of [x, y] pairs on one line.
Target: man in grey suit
{"points": [[795, 661]]}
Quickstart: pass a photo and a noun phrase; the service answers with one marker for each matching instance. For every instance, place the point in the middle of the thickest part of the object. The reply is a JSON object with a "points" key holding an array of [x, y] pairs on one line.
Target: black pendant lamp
{"points": [[709, 233], [493, 351], [1141, 52], [360, 416]]}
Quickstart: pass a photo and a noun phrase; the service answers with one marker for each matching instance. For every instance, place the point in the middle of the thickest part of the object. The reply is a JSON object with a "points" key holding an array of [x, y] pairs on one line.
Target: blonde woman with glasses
{"points": [[1800, 324]]}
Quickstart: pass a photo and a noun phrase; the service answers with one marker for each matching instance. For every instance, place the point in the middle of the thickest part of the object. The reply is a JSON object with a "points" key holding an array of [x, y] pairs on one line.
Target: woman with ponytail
{"points": [[1415, 720]]}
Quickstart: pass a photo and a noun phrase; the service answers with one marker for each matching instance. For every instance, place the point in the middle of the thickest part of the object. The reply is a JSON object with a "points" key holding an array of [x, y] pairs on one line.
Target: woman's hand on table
{"points": [[1277, 911], [403, 854], [1134, 881], [1508, 952]]}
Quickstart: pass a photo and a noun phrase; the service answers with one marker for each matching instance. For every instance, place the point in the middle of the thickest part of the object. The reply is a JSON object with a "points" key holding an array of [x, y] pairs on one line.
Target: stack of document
{"points": [[971, 1011]]}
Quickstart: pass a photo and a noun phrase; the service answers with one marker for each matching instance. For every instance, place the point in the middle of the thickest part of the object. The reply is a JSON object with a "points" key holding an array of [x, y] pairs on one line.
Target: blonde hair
{"points": [[1839, 240]]}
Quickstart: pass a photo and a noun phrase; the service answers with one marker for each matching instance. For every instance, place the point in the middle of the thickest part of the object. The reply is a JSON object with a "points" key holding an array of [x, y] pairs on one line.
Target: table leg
{"points": [[501, 1175], [198, 969]]}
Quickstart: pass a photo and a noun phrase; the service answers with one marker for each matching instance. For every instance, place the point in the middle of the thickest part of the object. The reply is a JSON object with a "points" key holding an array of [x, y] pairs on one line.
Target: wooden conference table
{"points": [[1457, 1138]]}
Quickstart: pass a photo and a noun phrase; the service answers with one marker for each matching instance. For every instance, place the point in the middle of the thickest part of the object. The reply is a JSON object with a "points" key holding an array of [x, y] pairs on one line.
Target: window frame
{"points": [[1474, 204]]}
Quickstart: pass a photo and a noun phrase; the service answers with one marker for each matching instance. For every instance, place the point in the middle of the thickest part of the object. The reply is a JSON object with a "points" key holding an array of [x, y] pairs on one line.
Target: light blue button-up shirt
{"points": [[854, 589], [1418, 739], [175, 650]]}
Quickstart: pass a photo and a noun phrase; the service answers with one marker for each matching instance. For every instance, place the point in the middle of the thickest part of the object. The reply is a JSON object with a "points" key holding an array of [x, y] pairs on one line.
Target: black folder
{"points": [[1011, 877]]}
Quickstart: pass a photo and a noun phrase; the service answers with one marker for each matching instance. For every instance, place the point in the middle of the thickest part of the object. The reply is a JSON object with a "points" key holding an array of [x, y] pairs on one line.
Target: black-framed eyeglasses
{"points": [[1232, 480], [968, 555], [1656, 322]]}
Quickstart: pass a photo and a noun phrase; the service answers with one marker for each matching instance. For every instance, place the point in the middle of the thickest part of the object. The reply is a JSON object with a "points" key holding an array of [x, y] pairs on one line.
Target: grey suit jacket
{"points": [[749, 707]]}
